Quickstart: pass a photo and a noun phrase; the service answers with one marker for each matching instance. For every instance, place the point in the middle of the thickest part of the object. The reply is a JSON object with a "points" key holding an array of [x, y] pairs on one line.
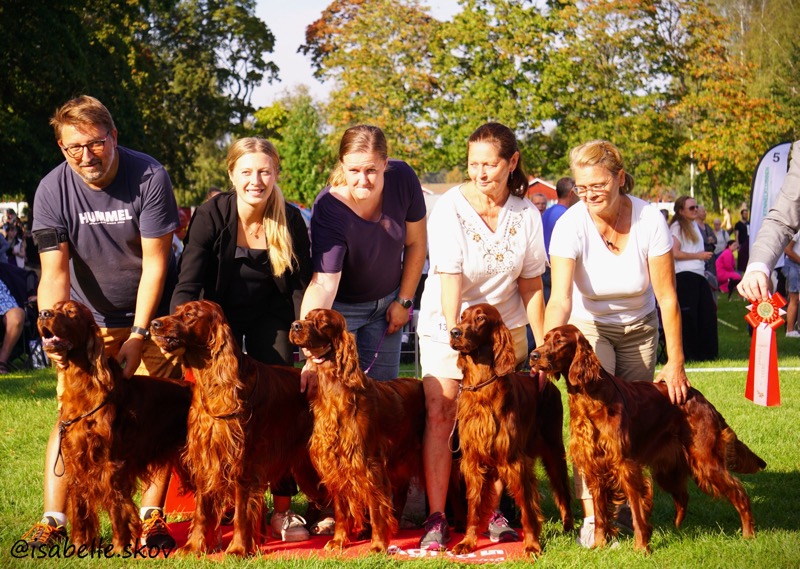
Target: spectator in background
{"points": [[5, 247], [727, 224], [540, 201], [184, 216], [742, 231], [550, 217], [698, 309], [16, 242], [13, 295], [727, 275], [791, 270], [722, 236], [212, 192]]}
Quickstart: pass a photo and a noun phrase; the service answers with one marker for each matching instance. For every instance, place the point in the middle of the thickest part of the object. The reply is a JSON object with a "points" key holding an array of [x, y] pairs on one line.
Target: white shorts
{"points": [[439, 360]]}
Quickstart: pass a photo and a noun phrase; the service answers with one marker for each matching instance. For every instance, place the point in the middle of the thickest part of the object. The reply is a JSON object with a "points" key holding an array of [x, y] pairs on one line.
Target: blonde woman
{"points": [[248, 251], [698, 308], [611, 260]]}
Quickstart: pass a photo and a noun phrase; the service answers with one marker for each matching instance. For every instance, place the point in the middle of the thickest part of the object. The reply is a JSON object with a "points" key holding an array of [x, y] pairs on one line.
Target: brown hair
{"points": [[81, 111], [503, 138], [360, 138], [688, 227], [281, 250], [603, 153]]}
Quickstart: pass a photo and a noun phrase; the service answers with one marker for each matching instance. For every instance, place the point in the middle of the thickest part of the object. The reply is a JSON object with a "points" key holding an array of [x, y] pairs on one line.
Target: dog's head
{"points": [[198, 327], [69, 331], [323, 336], [319, 333], [482, 334], [566, 352]]}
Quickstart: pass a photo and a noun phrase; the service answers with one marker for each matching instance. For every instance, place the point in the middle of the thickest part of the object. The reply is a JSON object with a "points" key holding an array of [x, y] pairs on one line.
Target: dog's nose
{"points": [[456, 333], [296, 326], [45, 314], [156, 324], [535, 356]]}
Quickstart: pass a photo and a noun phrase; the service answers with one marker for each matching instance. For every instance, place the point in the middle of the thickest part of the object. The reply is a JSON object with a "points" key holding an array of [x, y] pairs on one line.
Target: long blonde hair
{"points": [[360, 138], [281, 249], [689, 228]]}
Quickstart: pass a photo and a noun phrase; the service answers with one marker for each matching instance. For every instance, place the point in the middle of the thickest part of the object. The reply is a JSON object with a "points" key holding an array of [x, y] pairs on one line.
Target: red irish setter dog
{"points": [[114, 431], [367, 439], [505, 421], [249, 424], [620, 427]]}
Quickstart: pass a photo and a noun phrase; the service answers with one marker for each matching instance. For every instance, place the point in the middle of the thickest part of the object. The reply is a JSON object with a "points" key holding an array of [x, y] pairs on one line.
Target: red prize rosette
{"points": [[763, 387]]}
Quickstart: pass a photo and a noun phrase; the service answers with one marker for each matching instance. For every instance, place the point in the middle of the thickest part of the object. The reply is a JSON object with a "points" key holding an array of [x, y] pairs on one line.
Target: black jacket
{"points": [[206, 264]]}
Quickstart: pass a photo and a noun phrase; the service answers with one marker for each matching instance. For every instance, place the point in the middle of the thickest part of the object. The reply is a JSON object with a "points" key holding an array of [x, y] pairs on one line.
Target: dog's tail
{"points": [[738, 456]]}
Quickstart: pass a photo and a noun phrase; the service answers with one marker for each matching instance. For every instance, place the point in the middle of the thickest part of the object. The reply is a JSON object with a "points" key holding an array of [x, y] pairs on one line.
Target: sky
{"points": [[287, 19]]}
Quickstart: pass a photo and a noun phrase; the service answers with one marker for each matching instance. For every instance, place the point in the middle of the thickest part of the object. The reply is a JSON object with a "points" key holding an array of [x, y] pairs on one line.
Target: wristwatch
{"points": [[405, 302], [139, 330]]}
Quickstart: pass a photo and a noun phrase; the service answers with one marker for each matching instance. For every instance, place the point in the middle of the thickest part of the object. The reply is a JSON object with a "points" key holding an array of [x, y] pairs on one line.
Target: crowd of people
{"points": [[600, 258]]}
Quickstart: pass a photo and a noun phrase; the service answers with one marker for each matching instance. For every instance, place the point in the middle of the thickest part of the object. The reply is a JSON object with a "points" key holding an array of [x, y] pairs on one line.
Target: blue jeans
{"points": [[367, 322]]}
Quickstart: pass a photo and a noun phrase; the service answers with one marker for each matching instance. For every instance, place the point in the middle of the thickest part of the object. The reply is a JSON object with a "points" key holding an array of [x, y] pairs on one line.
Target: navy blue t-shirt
{"points": [[105, 230], [368, 253]]}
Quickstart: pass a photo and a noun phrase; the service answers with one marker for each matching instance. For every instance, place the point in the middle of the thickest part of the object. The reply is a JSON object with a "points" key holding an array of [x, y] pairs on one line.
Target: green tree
{"points": [[725, 128], [175, 75], [486, 65], [306, 159], [376, 50]]}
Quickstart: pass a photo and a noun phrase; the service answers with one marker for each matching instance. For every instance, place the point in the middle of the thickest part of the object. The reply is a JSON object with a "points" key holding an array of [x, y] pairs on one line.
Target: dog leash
{"points": [[62, 428], [462, 388], [377, 351]]}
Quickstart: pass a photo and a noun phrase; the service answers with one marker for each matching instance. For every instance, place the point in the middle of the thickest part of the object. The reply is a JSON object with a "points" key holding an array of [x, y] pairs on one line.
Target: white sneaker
{"points": [[288, 526], [586, 535], [793, 334]]}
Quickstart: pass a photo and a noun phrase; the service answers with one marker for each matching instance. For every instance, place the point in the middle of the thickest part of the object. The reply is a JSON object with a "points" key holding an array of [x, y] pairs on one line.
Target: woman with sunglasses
{"points": [[698, 308], [611, 260]]}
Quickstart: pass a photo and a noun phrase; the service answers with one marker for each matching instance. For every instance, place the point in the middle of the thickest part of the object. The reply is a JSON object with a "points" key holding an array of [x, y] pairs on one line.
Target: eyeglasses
{"points": [[95, 147], [594, 188], [692, 207]]}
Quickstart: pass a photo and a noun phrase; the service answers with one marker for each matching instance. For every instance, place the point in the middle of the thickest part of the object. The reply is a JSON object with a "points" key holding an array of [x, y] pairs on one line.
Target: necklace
{"points": [[609, 242], [253, 232]]}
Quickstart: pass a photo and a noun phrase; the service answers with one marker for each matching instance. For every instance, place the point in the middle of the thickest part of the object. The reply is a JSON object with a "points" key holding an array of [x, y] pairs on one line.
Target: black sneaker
{"points": [[437, 534], [499, 530], [154, 530], [45, 533]]}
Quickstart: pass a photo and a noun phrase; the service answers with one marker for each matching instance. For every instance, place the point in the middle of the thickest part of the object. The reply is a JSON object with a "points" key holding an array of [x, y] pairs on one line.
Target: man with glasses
{"points": [[103, 223]]}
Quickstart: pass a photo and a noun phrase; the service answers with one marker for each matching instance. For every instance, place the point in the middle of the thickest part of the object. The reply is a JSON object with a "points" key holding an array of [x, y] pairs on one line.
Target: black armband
{"points": [[49, 239]]}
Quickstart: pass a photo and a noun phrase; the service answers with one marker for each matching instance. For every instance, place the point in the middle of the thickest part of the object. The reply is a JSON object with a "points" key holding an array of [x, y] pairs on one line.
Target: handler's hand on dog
{"points": [[308, 379], [677, 383], [130, 356]]}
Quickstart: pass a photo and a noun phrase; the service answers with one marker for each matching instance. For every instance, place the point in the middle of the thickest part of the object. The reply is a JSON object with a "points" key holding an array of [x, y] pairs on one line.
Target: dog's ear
{"points": [[505, 360], [585, 365], [221, 343], [96, 352]]}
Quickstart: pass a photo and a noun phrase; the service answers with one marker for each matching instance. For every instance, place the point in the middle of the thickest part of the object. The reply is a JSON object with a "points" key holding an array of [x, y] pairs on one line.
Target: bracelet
{"points": [[144, 332]]}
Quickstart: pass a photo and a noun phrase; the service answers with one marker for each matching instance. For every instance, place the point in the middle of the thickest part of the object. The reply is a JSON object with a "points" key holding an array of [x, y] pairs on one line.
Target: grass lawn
{"points": [[710, 536]]}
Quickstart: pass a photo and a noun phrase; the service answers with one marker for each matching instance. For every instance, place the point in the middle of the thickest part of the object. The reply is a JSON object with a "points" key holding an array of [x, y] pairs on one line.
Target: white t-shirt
{"points": [[609, 288], [689, 265], [490, 262]]}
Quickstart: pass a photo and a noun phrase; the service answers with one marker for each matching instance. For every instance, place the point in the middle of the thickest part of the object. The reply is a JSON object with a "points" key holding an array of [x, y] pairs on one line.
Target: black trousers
{"points": [[698, 317]]}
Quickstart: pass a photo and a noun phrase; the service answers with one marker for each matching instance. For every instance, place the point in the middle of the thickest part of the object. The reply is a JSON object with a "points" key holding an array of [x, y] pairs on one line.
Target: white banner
{"points": [[770, 172]]}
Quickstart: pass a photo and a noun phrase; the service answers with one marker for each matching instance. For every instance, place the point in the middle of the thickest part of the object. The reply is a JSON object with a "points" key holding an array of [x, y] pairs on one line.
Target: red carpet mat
{"points": [[403, 546]]}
